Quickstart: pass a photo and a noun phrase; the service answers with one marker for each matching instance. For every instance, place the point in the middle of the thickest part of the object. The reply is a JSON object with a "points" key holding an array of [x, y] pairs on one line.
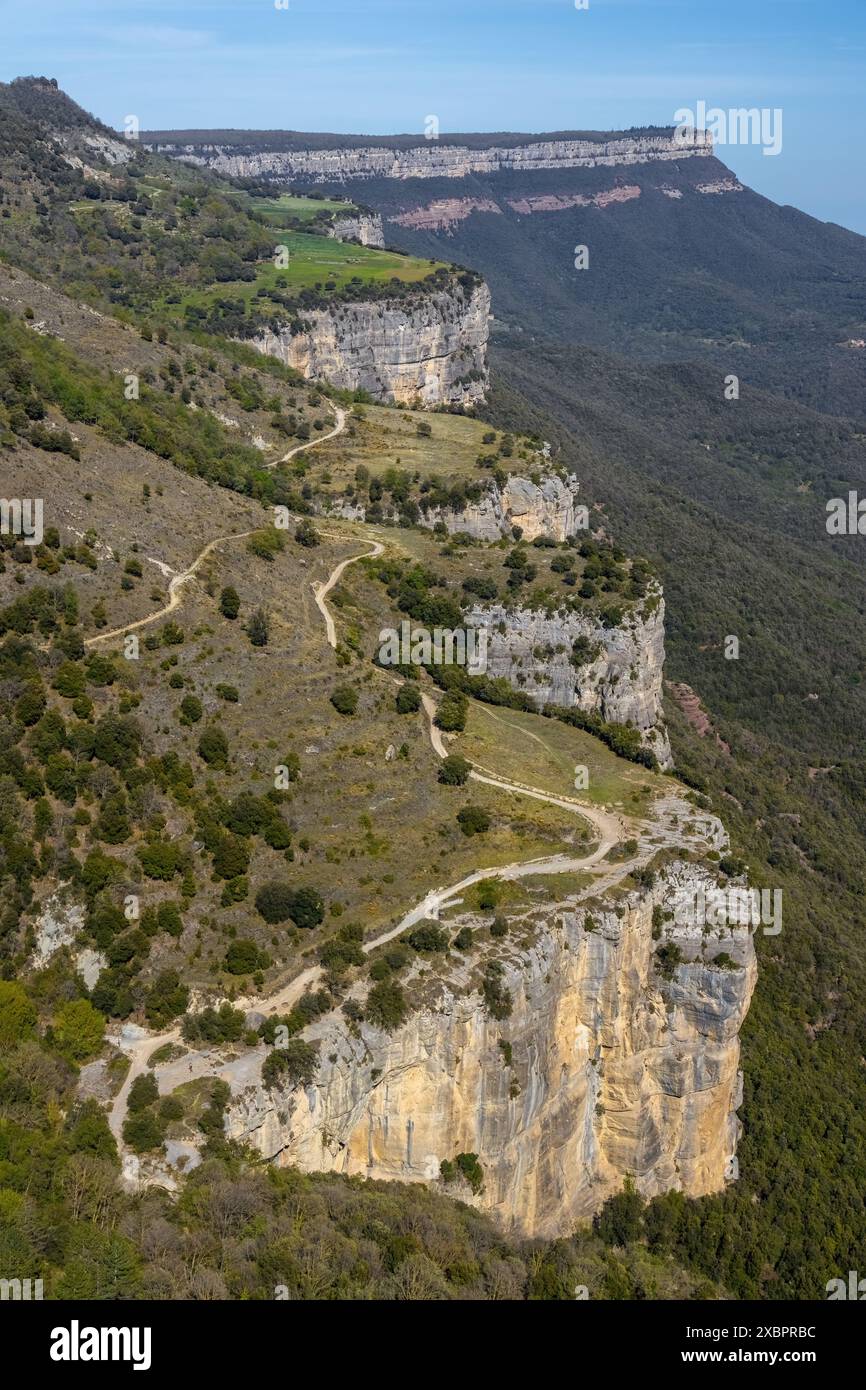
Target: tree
{"points": [[306, 533], [243, 957], [79, 1030], [297, 1062], [230, 603], [258, 628], [452, 712], [473, 820], [386, 1005], [308, 909], [143, 1132], [345, 699], [143, 1092], [231, 857], [408, 698], [191, 709], [274, 902], [166, 999], [454, 770], [213, 747], [17, 1014]]}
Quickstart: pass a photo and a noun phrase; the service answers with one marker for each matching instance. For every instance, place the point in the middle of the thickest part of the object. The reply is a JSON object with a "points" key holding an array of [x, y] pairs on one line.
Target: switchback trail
{"points": [[179, 580], [138, 1045]]}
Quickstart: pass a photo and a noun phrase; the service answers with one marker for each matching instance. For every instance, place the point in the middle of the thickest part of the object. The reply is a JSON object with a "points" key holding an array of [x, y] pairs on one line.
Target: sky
{"points": [[385, 66]]}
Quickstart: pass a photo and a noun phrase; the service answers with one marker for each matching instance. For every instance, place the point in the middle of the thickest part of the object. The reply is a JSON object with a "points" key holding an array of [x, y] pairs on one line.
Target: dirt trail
{"points": [[611, 828], [179, 580]]}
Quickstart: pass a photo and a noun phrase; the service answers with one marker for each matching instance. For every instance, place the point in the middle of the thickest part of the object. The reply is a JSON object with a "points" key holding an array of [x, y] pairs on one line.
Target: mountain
{"points": [[685, 262]]}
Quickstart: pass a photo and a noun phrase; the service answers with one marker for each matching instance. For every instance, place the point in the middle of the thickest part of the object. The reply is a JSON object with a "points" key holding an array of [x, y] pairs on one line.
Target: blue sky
{"points": [[380, 66]]}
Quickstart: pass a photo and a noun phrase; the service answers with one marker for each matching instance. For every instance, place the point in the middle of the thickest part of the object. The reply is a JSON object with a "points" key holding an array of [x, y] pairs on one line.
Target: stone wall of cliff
{"points": [[437, 159], [431, 348], [617, 1067], [622, 680]]}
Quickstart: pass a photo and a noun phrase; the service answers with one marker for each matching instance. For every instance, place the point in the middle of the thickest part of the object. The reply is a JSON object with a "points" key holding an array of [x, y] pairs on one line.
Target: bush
{"points": [[386, 1005], [473, 820], [243, 957], [427, 938], [454, 770], [142, 1093], [296, 1062], [213, 747], [345, 699], [408, 699], [230, 603], [452, 712], [274, 902], [143, 1132]]}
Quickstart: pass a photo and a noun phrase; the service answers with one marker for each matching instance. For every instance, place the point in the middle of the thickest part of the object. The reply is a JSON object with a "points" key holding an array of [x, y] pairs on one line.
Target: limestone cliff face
{"points": [[434, 158], [622, 680], [432, 348], [547, 508], [615, 1070], [364, 227]]}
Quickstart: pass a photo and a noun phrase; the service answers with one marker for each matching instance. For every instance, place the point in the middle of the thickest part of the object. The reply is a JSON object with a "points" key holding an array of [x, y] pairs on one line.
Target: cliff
{"points": [[622, 680], [431, 349], [614, 1069], [430, 160], [363, 227]]}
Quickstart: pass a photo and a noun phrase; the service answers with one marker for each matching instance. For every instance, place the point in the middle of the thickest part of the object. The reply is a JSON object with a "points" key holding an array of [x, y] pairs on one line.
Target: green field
{"points": [[312, 261], [276, 210], [544, 753]]}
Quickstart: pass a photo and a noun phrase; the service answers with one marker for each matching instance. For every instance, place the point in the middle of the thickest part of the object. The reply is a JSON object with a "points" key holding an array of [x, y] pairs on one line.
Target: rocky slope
{"points": [[615, 1069], [432, 349], [621, 679]]}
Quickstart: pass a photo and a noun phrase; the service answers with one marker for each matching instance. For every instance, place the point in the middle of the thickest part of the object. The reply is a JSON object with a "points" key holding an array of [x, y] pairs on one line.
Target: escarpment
{"points": [[548, 508], [401, 158], [430, 349], [619, 1057], [579, 659]]}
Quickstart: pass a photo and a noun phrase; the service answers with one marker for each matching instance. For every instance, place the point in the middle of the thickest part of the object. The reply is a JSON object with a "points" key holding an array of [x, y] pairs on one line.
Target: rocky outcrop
{"points": [[621, 1063], [430, 349], [433, 159], [615, 672], [363, 227], [548, 508]]}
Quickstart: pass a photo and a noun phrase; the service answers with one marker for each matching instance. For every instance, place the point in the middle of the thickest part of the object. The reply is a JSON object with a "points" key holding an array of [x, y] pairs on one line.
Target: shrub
{"points": [[427, 938], [213, 747], [143, 1092], [473, 820], [191, 709], [454, 770], [166, 999], [345, 699], [296, 1062], [386, 1005], [243, 957], [230, 603], [408, 699]]}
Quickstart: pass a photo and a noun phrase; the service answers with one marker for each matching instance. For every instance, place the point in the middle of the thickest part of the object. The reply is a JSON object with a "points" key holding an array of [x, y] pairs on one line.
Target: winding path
{"points": [[138, 1045], [179, 580]]}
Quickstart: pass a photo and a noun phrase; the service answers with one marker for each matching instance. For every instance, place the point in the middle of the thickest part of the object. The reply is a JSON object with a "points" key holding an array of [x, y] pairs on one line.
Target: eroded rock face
{"points": [[432, 349], [615, 1070], [363, 227], [548, 508], [621, 679], [437, 159]]}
